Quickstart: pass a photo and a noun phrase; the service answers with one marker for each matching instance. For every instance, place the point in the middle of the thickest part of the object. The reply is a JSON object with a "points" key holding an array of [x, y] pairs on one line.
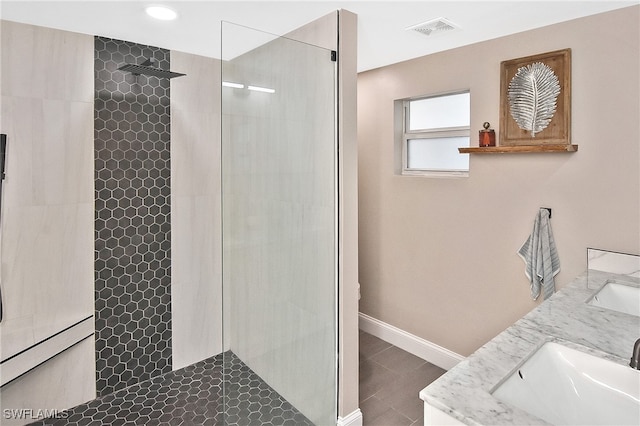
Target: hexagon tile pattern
{"points": [[190, 396], [132, 217]]}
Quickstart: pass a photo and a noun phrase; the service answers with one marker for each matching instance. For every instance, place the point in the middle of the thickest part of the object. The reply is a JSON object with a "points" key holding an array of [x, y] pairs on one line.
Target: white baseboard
{"points": [[437, 355], [352, 419]]}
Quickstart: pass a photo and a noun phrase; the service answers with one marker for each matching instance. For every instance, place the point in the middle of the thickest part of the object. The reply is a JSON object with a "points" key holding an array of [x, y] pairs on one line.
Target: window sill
{"points": [[434, 174]]}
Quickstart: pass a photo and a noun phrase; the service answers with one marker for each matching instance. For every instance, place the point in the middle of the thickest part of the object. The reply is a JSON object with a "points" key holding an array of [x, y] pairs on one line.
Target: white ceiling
{"points": [[382, 39]]}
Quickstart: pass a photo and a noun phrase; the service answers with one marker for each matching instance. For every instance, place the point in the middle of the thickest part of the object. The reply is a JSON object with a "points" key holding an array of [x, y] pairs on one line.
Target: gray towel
{"points": [[541, 257]]}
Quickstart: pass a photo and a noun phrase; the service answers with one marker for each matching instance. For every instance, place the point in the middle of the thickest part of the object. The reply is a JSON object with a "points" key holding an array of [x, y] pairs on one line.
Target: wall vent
{"points": [[434, 26]]}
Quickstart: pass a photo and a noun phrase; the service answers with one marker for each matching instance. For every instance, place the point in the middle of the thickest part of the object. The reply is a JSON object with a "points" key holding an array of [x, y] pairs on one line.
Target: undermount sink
{"points": [[561, 385], [618, 297]]}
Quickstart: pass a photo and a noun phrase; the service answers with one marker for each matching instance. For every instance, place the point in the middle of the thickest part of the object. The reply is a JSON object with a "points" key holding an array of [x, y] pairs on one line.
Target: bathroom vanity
{"points": [[518, 377]]}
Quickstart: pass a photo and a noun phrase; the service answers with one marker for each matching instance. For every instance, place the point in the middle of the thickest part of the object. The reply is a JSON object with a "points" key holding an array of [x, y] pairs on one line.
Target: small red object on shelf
{"points": [[487, 137]]}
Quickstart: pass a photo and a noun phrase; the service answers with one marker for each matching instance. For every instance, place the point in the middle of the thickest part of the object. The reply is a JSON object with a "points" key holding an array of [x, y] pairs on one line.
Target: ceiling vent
{"points": [[433, 27]]}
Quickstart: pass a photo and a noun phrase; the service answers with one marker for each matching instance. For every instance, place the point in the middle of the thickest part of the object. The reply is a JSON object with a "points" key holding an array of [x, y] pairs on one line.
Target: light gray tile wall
{"points": [[61, 383], [196, 286], [46, 253]]}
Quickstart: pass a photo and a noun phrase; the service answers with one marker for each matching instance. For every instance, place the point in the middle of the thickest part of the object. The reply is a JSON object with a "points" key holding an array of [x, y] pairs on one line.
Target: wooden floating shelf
{"points": [[518, 149]]}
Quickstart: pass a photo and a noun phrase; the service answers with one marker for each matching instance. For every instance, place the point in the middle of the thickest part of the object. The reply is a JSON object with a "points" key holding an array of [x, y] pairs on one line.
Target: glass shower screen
{"points": [[279, 203]]}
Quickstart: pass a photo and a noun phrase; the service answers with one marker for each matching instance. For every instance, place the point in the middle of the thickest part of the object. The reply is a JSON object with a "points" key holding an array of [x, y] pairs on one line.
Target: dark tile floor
{"points": [[190, 396], [390, 381]]}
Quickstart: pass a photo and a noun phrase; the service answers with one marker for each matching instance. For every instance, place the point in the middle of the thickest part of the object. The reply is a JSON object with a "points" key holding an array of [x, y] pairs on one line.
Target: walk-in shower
{"points": [[172, 247]]}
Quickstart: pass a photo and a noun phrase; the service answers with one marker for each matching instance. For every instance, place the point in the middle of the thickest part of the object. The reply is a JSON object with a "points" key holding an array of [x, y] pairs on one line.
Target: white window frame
{"points": [[460, 131]]}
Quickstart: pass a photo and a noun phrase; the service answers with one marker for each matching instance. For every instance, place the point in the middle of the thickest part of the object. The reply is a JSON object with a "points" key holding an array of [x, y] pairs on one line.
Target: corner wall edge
{"points": [[352, 419]]}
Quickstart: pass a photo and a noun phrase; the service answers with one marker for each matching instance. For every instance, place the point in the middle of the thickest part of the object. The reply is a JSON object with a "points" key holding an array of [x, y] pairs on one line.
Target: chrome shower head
{"points": [[146, 69]]}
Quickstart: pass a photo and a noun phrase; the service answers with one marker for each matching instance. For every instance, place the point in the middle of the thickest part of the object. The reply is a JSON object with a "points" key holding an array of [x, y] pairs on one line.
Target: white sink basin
{"points": [[565, 386], [618, 297]]}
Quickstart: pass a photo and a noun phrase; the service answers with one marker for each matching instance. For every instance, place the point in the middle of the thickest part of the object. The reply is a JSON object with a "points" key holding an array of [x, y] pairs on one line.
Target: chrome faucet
{"points": [[635, 357]]}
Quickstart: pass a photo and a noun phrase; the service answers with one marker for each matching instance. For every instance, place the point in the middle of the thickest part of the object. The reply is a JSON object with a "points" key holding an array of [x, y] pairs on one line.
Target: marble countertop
{"points": [[464, 392]]}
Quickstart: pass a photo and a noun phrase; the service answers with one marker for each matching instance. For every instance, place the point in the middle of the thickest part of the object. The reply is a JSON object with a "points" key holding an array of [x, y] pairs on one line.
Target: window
{"points": [[433, 128]]}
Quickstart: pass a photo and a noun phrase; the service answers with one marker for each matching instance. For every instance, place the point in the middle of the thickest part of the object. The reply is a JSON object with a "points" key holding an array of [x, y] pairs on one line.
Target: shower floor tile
{"points": [[190, 396]]}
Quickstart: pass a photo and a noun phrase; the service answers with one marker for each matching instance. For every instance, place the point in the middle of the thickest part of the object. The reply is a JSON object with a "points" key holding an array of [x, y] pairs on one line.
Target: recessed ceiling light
{"points": [[163, 13]]}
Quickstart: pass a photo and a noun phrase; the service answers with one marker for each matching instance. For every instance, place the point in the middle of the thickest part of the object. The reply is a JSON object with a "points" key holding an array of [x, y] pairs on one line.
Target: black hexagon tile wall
{"points": [[133, 220]]}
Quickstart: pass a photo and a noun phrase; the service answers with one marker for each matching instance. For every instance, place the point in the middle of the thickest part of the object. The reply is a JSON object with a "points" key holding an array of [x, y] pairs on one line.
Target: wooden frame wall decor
{"points": [[558, 130]]}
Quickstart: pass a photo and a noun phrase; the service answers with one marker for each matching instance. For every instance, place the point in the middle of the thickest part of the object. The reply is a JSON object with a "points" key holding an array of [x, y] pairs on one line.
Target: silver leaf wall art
{"points": [[532, 96]]}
